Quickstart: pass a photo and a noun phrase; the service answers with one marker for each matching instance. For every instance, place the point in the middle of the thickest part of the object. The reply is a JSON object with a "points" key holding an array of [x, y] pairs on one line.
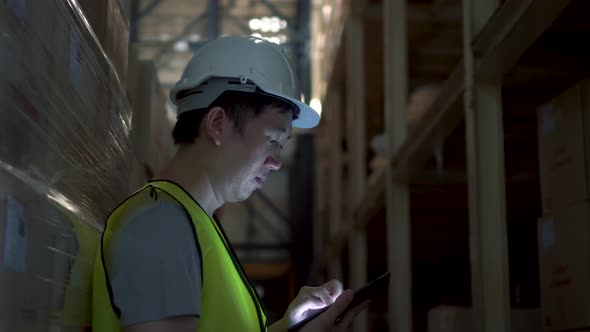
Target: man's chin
{"points": [[242, 196]]}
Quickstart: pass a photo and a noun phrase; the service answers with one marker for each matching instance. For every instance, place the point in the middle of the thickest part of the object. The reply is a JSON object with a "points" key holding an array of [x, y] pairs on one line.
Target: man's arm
{"points": [[155, 270], [173, 324]]}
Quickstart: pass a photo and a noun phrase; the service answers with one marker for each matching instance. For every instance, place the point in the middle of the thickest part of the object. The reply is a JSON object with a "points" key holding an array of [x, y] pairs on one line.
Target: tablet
{"points": [[375, 289]]}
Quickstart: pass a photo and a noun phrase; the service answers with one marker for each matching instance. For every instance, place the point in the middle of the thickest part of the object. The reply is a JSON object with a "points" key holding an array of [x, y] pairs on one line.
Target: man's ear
{"points": [[215, 124]]}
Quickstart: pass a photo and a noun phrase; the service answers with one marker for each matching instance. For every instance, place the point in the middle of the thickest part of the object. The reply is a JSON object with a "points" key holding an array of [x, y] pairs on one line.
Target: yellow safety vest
{"points": [[228, 300]]}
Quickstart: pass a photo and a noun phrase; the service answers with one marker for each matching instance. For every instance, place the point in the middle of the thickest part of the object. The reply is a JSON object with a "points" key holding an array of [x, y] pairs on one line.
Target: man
{"points": [[164, 263]]}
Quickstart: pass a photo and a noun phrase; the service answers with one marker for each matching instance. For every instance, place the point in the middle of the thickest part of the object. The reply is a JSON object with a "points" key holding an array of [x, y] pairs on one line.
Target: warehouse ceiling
{"points": [[169, 31]]}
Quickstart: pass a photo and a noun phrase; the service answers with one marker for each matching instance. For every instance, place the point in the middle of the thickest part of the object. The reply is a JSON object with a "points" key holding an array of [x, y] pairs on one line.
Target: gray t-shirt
{"points": [[154, 263]]}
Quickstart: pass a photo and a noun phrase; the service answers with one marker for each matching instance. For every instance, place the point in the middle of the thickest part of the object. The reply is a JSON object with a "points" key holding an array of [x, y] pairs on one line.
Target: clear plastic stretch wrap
{"points": [[65, 161]]}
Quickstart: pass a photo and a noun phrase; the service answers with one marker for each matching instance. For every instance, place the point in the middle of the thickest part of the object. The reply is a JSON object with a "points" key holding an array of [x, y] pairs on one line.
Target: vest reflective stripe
{"points": [[228, 300]]}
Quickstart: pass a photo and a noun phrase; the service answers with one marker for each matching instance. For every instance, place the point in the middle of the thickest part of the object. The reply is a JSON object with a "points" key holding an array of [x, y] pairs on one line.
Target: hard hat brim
{"points": [[307, 118]]}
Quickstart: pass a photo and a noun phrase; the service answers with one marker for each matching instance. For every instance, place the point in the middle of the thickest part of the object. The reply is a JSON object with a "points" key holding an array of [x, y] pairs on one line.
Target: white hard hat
{"points": [[240, 63]]}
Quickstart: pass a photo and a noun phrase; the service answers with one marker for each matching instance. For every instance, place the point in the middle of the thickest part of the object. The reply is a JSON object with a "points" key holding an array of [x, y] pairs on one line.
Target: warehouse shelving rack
{"points": [[509, 48]]}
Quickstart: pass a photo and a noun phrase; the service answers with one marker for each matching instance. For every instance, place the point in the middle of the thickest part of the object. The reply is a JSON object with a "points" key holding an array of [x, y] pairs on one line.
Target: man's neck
{"points": [[194, 177]]}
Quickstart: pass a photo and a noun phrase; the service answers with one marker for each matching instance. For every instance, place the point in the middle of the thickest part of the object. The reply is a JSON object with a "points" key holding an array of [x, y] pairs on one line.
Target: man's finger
{"points": [[339, 306], [347, 319], [300, 306], [323, 294], [315, 303], [334, 287]]}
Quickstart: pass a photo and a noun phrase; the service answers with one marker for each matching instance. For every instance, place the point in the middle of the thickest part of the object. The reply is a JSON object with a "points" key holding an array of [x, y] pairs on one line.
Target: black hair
{"points": [[239, 106]]}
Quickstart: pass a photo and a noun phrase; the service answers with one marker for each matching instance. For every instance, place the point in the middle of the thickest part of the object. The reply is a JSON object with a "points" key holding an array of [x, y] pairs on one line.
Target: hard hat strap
{"points": [[206, 93]]}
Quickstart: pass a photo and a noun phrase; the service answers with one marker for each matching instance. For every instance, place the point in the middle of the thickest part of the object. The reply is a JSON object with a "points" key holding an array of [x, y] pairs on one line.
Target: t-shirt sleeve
{"points": [[155, 267]]}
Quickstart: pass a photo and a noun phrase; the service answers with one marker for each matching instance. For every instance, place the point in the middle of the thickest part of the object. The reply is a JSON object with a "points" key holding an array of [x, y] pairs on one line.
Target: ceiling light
{"points": [[327, 12], [316, 104], [181, 46], [265, 24], [194, 37], [255, 24], [275, 27]]}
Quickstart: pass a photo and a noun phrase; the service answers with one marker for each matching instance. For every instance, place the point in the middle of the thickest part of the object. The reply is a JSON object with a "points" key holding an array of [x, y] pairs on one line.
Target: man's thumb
{"points": [[340, 305]]}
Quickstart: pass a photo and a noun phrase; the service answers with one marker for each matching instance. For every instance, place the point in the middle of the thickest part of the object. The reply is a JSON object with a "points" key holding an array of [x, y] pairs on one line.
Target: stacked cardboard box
{"points": [[151, 135], [109, 20], [564, 229]]}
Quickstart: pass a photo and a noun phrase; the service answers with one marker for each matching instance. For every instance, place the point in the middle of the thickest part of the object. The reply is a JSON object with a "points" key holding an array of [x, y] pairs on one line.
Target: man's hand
{"points": [[327, 322], [311, 298]]}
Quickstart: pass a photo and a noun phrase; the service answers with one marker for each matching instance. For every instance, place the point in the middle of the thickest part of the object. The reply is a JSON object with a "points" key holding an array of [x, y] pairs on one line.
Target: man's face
{"points": [[252, 154]]}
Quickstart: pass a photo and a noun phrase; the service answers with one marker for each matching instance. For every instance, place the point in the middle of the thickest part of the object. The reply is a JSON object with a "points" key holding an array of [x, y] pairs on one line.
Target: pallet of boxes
{"points": [[65, 154], [153, 122], [564, 229]]}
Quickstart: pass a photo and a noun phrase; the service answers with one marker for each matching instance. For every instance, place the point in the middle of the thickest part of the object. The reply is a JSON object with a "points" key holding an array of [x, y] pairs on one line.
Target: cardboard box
{"points": [[79, 71], [564, 267], [143, 76], [67, 50], [95, 13], [162, 136], [41, 16], [34, 22], [110, 23], [26, 290], [459, 319], [116, 42], [564, 149], [151, 133]]}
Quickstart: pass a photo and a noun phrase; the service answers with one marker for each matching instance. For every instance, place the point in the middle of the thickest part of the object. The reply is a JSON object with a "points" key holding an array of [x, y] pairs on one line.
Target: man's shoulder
{"points": [[147, 204], [157, 228], [149, 216]]}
